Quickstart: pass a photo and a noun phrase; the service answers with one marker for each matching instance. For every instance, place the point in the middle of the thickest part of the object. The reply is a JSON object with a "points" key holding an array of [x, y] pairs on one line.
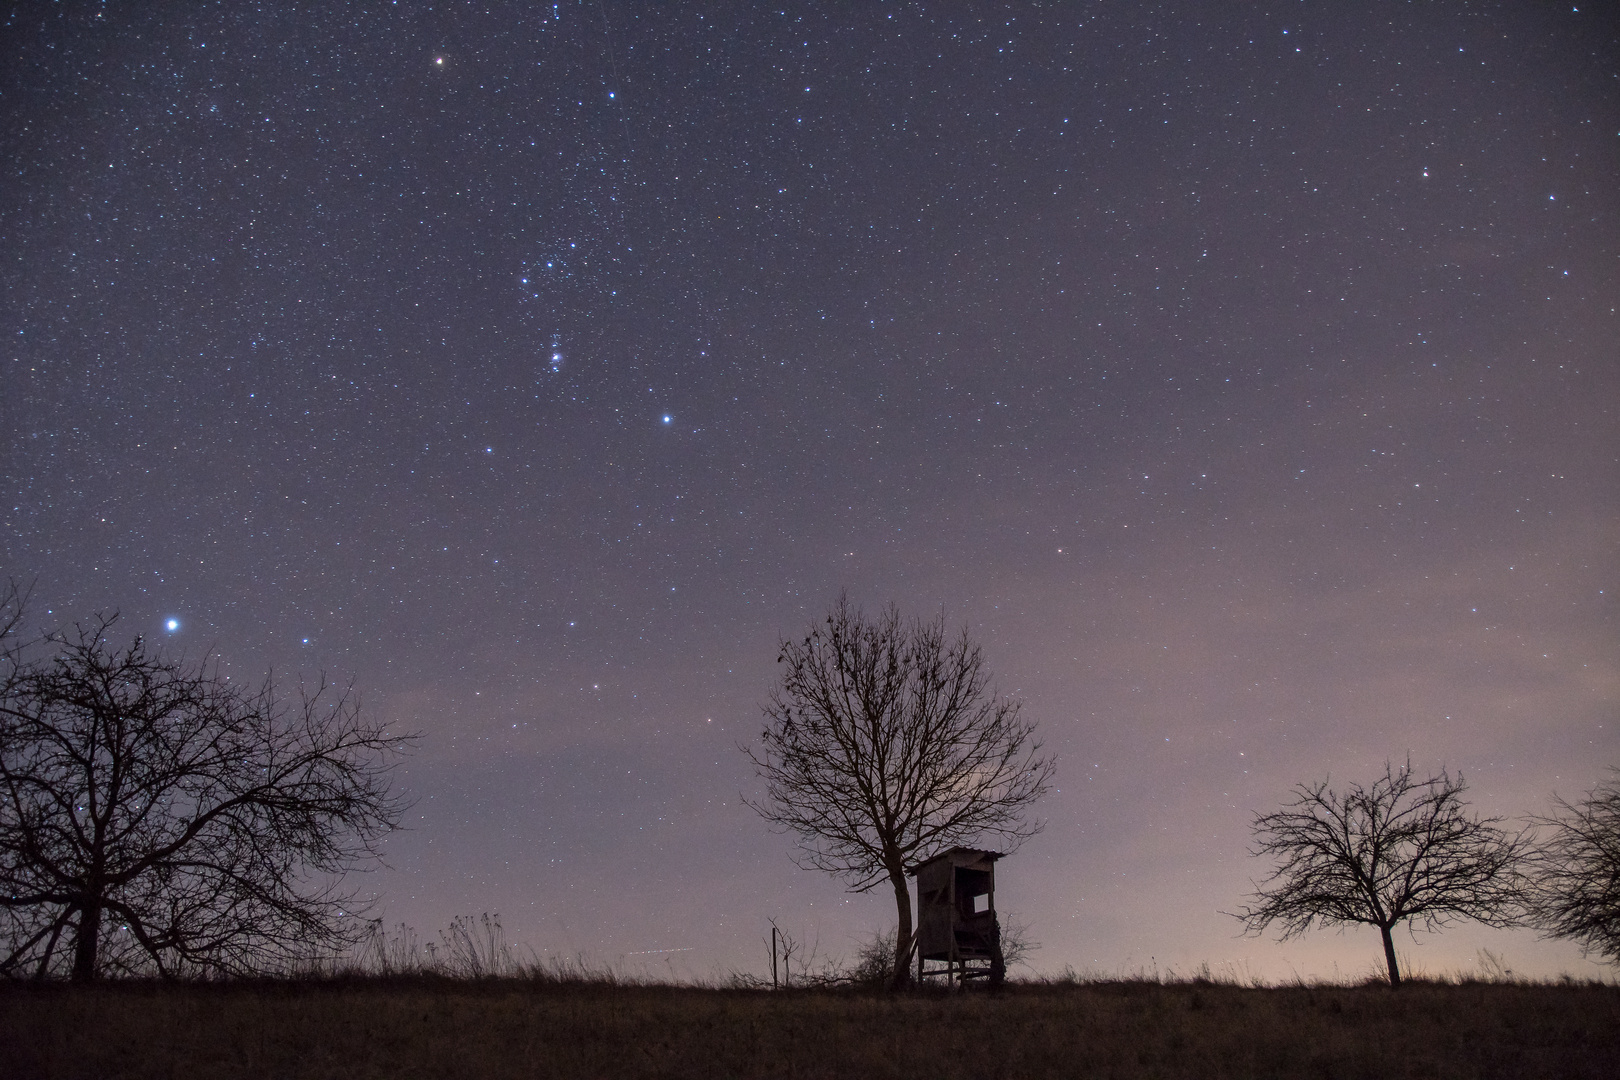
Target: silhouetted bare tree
{"points": [[156, 818], [1577, 880], [1401, 849], [885, 744]]}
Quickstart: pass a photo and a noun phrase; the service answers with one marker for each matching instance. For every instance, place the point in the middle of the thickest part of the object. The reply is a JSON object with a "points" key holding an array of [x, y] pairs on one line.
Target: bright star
{"points": [[667, 419], [172, 625]]}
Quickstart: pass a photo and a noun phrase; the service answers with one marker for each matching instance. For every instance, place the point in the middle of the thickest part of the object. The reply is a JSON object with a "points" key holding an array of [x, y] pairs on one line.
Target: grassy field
{"points": [[426, 1027]]}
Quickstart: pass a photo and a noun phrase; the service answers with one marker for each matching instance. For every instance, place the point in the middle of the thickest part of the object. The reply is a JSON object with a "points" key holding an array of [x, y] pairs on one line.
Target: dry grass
{"points": [[436, 1027]]}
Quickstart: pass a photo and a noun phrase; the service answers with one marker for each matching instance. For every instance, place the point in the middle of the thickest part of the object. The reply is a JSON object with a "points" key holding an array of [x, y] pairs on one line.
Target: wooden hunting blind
{"points": [[956, 916]]}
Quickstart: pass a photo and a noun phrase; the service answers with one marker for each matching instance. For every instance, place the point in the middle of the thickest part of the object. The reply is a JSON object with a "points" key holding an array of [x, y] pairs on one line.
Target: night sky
{"points": [[1244, 377]]}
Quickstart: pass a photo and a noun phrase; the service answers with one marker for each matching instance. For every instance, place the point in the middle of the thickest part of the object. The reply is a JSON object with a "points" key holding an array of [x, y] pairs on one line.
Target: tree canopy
{"points": [[1577, 887], [885, 744], [1397, 850], [157, 818]]}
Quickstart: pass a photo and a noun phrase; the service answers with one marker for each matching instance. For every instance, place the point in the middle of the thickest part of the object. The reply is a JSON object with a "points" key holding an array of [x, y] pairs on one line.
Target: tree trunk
{"points": [[902, 936], [1389, 957], [86, 942]]}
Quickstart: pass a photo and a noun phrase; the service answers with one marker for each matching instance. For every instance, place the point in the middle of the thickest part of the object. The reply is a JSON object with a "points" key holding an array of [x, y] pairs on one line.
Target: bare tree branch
{"points": [[163, 819], [885, 744], [1401, 850], [1577, 872]]}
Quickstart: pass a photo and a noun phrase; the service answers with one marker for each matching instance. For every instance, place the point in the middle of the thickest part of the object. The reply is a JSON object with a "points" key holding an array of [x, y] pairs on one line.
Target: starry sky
{"points": [[1243, 376]]}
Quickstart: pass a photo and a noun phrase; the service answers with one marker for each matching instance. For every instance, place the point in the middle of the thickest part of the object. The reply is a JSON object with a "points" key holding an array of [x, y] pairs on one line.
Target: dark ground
{"points": [[448, 1028]]}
